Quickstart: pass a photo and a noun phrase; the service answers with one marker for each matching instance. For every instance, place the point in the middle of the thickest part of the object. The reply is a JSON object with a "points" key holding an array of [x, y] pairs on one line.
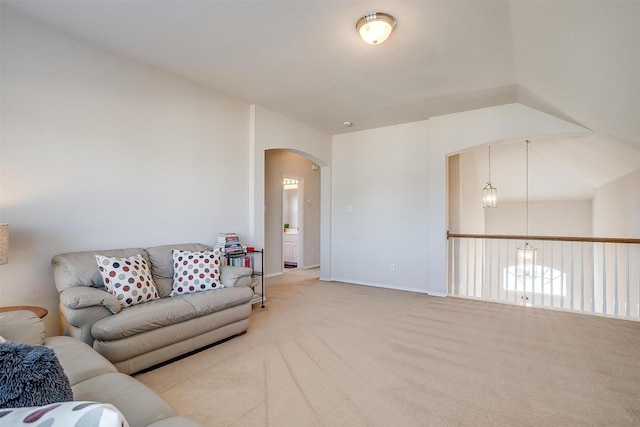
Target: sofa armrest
{"points": [[85, 296], [81, 307], [22, 326], [231, 276]]}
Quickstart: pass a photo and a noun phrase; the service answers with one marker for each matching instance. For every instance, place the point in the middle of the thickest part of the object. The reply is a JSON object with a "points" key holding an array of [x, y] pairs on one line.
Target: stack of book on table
{"points": [[234, 252]]}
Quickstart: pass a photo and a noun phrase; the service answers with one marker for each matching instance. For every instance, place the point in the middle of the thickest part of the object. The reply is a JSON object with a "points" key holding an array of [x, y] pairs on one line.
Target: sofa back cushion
{"points": [[80, 268], [22, 326], [162, 263]]}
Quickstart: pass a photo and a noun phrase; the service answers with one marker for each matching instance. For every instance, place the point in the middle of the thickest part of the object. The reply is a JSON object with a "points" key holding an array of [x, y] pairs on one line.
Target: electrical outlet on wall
{"points": [[392, 267]]}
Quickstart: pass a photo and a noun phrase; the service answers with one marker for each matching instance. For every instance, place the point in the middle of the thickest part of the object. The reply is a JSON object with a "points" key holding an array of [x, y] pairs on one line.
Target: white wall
{"points": [[466, 214], [454, 191], [311, 218], [458, 132], [616, 208], [395, 179], [269, 130], [381, 175], [102, 152], [550, 218], [472, 214]]}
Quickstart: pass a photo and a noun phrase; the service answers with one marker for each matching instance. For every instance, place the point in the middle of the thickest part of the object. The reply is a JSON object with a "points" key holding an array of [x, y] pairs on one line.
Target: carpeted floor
{"points": [[334, 354]]}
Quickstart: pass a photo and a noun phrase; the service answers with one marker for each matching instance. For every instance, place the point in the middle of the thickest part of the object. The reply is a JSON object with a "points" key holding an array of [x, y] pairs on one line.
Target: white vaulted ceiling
{"points": [[577, 60], [559, 168]]}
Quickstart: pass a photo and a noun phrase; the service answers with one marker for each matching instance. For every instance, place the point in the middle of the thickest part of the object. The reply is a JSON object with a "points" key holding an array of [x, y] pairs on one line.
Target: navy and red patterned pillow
{"points": [[195, 271], [128, 279]]}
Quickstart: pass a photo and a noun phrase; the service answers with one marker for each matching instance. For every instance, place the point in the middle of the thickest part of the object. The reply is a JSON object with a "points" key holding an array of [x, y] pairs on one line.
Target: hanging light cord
{"points": [[489, 163], [527, 182]]}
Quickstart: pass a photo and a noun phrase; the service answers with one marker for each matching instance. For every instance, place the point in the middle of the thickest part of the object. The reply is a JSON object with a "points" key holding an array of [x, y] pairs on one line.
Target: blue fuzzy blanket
{"points": [[31, 376]]}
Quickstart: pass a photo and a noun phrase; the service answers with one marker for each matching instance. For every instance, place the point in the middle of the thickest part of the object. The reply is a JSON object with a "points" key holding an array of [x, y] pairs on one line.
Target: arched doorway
{"points": [[303, 231]]}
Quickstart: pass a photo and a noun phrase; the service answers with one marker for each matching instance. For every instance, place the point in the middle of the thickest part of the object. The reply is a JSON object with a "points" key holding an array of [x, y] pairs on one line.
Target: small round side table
{"points": [[39, 311]]}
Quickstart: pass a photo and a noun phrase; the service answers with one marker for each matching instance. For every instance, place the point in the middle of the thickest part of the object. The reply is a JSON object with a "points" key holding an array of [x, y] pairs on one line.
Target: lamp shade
{"points": [[375, 28], [4, 243]]}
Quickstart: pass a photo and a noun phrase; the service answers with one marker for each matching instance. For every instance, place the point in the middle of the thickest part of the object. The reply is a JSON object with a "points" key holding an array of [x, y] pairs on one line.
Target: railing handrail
{"points": [[554, 238]]}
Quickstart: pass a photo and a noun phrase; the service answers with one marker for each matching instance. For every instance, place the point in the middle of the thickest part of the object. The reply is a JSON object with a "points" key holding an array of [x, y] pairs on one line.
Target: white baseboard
{"points": [[309, 267], [372, 284], [273, 274], [381, 285]]}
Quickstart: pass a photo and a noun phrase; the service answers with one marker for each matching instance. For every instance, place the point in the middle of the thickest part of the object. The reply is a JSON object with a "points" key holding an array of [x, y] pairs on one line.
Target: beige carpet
{"points": [[333, 354]]}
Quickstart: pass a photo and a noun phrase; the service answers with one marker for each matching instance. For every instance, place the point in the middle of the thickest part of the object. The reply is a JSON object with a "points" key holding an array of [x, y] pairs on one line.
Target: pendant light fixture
{"points": [[375, 27], [489, 192], [526, 253]]}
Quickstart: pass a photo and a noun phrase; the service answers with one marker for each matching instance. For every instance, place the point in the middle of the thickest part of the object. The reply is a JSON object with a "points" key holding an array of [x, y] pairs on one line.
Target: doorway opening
{"points": [[290, 218], [292, 211]]}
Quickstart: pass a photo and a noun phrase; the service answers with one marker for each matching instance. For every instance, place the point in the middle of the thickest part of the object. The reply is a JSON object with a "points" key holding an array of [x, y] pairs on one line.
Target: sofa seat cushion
{"points": [[144, 317], [137, 402], [152, 347], [167, 311], [211, 301], [79, 361]]}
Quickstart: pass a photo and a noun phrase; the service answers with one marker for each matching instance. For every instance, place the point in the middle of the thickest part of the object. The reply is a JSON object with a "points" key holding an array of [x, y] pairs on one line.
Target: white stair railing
{"points": [[589, 275]]}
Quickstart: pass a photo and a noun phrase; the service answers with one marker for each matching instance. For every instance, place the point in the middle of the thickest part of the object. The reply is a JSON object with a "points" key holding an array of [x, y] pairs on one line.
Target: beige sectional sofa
{"points": [[92, 379], [137, 337]]}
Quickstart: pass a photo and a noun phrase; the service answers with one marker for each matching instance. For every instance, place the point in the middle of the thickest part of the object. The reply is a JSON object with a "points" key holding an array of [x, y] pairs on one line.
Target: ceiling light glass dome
{"points": [[375, 28]]}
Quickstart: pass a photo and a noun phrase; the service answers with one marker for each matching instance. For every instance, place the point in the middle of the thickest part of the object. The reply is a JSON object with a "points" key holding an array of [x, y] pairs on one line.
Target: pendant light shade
{"points": [[489, 196], [526, 253], [526, 260], [489, 192], [375, 28]]}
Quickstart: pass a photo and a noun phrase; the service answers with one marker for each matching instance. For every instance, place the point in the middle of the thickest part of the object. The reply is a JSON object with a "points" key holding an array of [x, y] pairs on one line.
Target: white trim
{"points": [[309, 267], [380, 285], [279, 273]]}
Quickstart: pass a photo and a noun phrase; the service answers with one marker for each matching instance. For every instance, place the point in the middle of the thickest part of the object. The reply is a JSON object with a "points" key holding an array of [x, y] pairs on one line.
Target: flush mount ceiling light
{"points": [[375, 27]]}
